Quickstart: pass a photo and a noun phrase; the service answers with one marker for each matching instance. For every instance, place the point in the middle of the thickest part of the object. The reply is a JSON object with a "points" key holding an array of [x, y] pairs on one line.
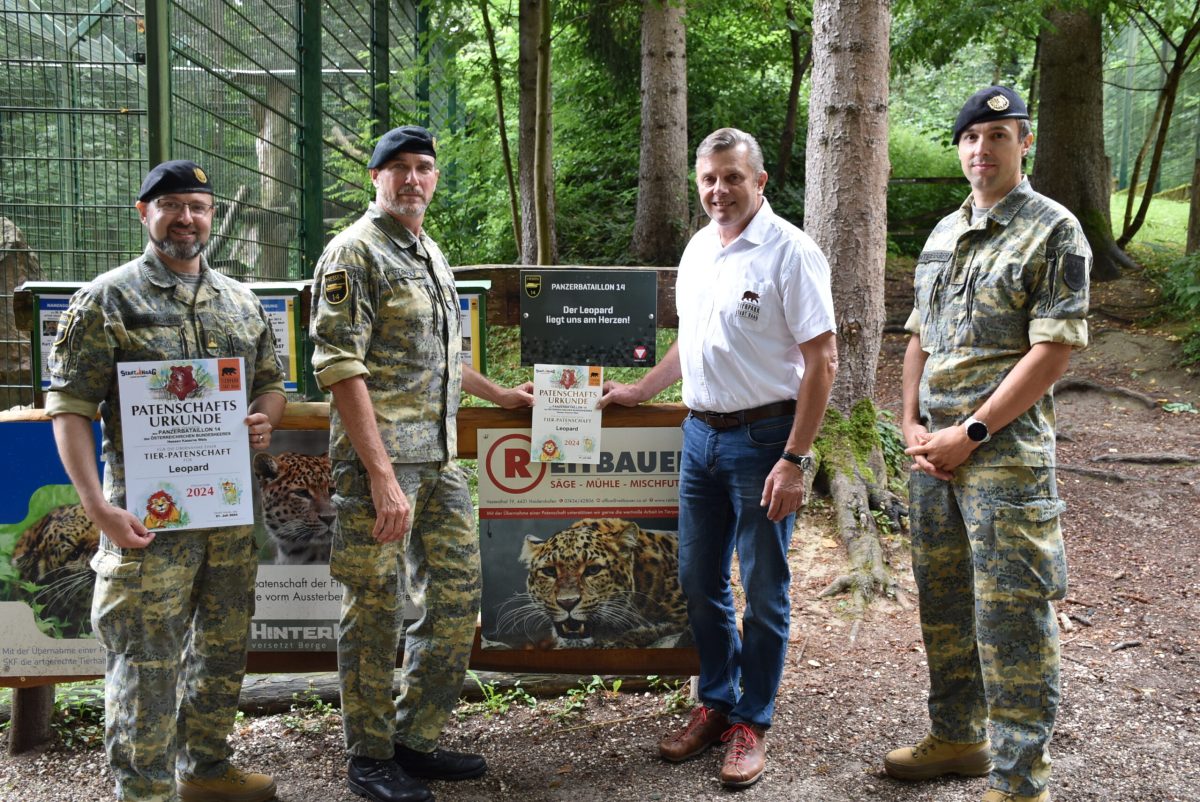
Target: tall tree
{"points": [[1193, 229], [846, 213], [799, 34], [533, 184], [660, 229], [1070, 131], [501, 124], [1179, 35]]}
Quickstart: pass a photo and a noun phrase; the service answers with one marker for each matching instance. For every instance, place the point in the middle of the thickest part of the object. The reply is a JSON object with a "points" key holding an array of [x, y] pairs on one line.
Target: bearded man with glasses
{"points": [[172, 613]]}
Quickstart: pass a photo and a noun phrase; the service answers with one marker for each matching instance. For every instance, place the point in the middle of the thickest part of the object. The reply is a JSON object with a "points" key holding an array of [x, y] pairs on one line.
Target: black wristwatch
{"points": [[805, 461], [977, 430]]}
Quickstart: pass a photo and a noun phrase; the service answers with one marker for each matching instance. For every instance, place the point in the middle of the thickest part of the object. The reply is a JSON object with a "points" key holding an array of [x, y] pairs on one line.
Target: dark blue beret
{"points": [[405, 139], [174, 176], [990, 103]]}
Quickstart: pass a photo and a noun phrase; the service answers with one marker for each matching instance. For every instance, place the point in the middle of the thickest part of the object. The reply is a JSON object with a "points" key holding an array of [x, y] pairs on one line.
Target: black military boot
{"points": [[440, 764], [384, 781]]}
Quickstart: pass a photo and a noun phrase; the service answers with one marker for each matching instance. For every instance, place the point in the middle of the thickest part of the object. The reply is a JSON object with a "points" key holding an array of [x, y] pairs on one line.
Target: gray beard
{"points": [[179, 251], [404, 208]]}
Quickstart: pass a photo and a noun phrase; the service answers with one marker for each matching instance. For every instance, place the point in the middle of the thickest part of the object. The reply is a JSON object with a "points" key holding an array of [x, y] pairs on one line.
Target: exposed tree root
{"points": [[1149, 459], [1095, 473], [1087, 385]]}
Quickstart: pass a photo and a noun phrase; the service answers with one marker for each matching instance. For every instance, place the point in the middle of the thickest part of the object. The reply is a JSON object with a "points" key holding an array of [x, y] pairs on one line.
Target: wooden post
{"points": [[32, 709]]}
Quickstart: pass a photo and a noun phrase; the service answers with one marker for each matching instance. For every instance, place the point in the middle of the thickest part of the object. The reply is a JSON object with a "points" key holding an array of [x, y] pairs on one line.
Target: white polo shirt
{"points": [[743, 309]]}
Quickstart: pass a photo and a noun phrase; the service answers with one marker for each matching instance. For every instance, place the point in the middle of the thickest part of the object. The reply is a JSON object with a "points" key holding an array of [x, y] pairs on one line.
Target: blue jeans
{"points": [[720, 487]]}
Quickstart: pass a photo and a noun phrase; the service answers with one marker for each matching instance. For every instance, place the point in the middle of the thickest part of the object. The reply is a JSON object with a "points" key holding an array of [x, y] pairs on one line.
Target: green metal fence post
{"points": [[312, 227], [380, 36], [158, 81]]}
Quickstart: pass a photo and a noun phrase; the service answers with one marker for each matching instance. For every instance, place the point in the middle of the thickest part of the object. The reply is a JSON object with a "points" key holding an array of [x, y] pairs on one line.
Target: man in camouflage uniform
{"points": [[387, 343], [189, 592], [1001, 299]]}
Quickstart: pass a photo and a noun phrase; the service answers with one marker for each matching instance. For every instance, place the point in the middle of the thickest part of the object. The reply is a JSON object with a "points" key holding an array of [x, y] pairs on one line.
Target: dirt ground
{"points": [[1129, 727]]}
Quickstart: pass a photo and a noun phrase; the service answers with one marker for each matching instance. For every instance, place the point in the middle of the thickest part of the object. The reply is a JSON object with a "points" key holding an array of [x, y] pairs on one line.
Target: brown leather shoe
{"points": [[702, 731], [746, 756]]}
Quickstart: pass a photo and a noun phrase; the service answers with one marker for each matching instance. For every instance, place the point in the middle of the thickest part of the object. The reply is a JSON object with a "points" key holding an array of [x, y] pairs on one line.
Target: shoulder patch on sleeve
{"points": [[336, 287], [1075, 271]]}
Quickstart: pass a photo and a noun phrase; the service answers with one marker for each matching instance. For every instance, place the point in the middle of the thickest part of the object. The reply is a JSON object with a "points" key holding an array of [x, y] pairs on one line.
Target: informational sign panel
{"points": [[581, 556], [49, 310], [472, 330], [185, 443], [596, 317], [282, 313]]}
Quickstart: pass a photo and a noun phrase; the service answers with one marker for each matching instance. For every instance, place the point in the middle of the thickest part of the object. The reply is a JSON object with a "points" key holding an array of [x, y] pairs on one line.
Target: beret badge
{"points": [[997, 103], [200, 175]]}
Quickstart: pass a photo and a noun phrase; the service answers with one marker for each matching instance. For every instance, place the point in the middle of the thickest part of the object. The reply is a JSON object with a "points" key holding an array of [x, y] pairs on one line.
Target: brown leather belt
{"points": [[729, 420]]}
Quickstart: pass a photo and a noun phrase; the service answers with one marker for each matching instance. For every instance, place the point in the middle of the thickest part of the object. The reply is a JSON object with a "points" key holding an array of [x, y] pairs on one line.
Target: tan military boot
{"points": [[234, 785], [934, 757], [996, 795]]}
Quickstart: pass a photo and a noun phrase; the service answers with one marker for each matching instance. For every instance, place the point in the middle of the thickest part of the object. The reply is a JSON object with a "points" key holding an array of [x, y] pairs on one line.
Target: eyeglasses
{"points": [[176, 207]]}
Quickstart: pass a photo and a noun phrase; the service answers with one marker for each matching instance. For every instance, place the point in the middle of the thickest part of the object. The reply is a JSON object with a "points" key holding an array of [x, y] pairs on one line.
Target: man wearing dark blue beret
{"points": [[386, 335], [172, 612], [1001, 298]]}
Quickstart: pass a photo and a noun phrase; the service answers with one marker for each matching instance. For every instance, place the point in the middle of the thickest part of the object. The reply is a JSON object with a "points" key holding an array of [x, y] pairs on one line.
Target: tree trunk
{"points": [[529, 38], [661, 227], [542, 166], [273, 224], [1071, 164], [502, 126], [845, 211], [18, 264], [845, 198], [800, 65], [1193, 235]]}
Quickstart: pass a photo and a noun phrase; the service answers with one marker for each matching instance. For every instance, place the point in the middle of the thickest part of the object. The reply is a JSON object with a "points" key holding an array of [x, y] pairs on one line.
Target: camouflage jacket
{"points": [[985, 294], [141, 312], [385, 308]]}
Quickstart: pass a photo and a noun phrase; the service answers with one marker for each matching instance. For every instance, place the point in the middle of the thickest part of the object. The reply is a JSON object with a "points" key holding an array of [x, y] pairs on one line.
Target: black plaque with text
{"points": [[589, 317]]}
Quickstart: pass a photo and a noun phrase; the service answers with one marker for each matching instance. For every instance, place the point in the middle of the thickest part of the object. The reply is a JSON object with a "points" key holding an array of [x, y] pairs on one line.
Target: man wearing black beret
{"points": [[172, 612], [1001, 298], [386, 335]]}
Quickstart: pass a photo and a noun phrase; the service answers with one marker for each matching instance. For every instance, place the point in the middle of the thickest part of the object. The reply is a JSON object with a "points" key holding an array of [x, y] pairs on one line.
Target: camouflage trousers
{"points": [[189, 594], [988, 558], [438, 563]]}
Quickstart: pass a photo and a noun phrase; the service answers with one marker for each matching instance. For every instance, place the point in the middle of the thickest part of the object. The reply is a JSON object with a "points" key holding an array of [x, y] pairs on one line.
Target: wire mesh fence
{"points": [[77, 125]]}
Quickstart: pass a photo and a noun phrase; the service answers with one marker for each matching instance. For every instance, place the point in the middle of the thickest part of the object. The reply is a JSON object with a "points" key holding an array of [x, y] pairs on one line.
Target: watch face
{"points": [[977, 431]]}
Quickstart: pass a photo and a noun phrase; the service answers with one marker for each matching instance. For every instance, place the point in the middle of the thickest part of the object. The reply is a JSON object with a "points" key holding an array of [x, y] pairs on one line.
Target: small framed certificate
{"points": [[187, 454]]}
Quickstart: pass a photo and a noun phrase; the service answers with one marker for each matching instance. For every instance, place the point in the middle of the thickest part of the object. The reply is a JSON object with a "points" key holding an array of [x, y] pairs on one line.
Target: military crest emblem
{"points": [[201, 176], [336, 287], [533, 285], [997, 103]]}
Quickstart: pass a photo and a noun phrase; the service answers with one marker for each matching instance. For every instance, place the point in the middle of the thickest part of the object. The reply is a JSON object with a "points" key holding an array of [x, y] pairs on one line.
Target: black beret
{"points": [[405, 139], [174, 176], [990, 103]]}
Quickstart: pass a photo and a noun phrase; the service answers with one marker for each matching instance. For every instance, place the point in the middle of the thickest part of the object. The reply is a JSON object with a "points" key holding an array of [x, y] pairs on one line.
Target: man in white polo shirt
{"points": [[757, 355]]}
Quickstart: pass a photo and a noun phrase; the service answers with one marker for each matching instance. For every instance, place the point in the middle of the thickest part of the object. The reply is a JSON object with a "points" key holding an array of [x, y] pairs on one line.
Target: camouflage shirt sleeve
{"points": [[1058, 312], [342, 316], [82, 359]]}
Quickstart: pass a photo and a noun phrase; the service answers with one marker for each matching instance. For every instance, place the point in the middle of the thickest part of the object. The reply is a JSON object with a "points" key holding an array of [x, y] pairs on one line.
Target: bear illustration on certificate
{"points": [[566, 423], [187, 456]]}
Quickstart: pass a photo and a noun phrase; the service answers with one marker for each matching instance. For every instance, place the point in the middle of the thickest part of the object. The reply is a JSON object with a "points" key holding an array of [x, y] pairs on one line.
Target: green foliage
{"points": [[675, 691], [918, 153], [1178, 277], [891, 441], [78, 716], [576, 699], [309, 713], [495, 702]]}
